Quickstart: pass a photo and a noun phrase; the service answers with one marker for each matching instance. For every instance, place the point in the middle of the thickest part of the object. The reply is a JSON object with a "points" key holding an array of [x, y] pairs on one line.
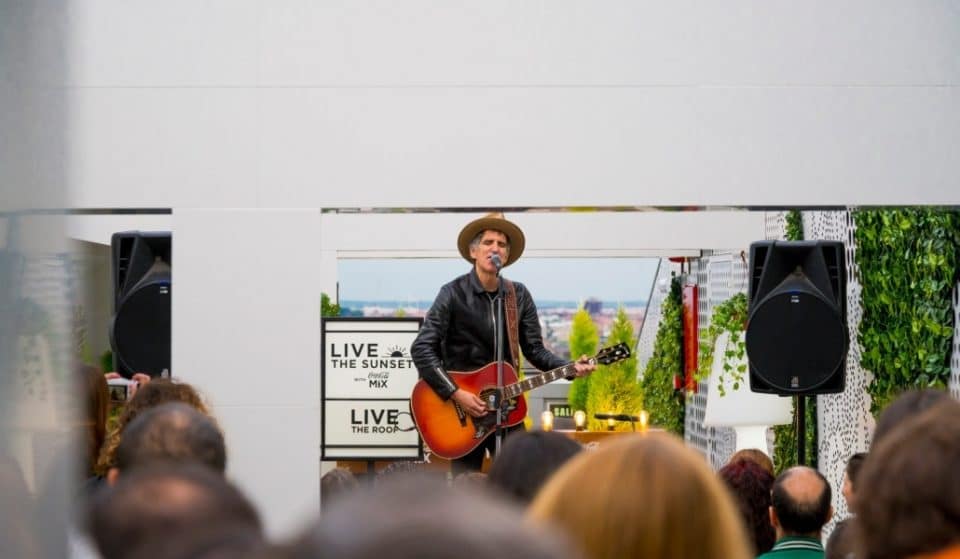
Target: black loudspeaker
{"points": [[142, 288], [797, 327]]}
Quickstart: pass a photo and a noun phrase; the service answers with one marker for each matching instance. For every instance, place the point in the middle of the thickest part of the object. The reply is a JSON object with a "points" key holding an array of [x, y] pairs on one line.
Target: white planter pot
{"points": [[749, 413]]}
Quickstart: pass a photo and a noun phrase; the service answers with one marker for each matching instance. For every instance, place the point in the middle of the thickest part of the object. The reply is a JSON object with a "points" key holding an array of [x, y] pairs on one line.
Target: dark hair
{"points": [[854, 463], [750, 484], [416, 518], [162, 502], [172, 432], [408, 470], [905, 406], [911, 480], [800, 516], [842, 542], [527, 460], [336, 484]]}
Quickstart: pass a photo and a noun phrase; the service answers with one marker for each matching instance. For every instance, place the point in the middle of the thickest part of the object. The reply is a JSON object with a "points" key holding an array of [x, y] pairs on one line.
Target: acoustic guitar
{"points": [[451, 433]]}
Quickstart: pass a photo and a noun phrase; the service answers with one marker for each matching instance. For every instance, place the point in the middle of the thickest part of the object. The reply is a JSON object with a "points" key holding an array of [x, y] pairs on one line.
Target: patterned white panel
{"points": [[955, 360], [651, 320], [775, 226], [844, 422], [719, 277], [50, 286]]}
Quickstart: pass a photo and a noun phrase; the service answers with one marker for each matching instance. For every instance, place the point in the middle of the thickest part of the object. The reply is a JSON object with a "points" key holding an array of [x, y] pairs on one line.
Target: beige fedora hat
{"points": [[497, 222]]}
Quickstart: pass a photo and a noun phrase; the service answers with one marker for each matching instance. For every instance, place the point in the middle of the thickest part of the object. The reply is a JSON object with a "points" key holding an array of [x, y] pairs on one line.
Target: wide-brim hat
{"points": [[497, 222]]}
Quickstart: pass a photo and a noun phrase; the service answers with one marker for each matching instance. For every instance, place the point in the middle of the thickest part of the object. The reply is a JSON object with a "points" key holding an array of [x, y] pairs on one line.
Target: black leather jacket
{"points": [[458, 334]]}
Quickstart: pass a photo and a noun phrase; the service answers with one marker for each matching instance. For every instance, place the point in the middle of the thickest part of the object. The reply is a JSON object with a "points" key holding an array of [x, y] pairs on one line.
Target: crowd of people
{"points": [[154, 484], [158, 489]]}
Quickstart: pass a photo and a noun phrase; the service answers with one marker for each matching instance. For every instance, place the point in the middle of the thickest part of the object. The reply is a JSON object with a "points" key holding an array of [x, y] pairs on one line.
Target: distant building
{"points": [[593, 306]]}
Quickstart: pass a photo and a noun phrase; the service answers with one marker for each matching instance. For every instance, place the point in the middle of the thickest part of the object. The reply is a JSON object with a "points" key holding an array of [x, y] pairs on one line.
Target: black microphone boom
{"points": [[616, 416]]}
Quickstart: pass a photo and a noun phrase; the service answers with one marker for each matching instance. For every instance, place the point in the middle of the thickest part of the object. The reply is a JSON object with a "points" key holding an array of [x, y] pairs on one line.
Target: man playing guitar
{"points": [[458, 332]]}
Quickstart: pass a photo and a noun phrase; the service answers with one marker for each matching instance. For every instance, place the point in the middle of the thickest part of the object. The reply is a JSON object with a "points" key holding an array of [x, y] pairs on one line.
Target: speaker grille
{"points": [[142, 328], [795, 341]]}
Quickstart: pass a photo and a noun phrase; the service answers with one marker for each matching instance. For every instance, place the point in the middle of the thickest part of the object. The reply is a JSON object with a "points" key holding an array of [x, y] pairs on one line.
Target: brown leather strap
{"points": [[513, 324]]}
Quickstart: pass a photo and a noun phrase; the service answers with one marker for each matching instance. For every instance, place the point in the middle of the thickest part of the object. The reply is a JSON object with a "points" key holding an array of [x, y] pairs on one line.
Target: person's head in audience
{"points": [[850, 476], [471, 480], [172, 432], [527, 460], [409, 470], [150, 395], [842, 543], [800, 503], [904, 406], [418, 518], [754, 455], [910, 480], [155, 506], [336, 484], [643, 496], [750, 485]]}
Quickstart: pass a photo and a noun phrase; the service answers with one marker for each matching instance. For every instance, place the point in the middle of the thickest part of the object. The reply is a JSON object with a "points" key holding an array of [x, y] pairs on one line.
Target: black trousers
{"points": [[473, 461]]}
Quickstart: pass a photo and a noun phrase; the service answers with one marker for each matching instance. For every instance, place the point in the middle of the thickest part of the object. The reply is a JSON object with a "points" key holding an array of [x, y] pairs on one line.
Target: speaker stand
{"points": [[801, 407]]}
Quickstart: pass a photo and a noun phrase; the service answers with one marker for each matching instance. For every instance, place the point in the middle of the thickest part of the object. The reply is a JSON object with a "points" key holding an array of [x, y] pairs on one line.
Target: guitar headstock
{"points": [[613, 354]]}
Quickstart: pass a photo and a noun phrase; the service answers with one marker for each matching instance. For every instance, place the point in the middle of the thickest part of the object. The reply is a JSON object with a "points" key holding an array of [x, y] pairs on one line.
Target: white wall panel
{"points": [[610, 146], [546, 233], [860, 42], [246, 331], [273, 455], [510, 147], [163, 147], [476, 146], [174, 43], [623, 42], [468, 43], [428, 103]]}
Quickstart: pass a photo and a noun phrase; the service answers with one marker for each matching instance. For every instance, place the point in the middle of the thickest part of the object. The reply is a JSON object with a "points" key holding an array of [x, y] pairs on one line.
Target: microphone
{"points": [[616, 416], [495, 258]]}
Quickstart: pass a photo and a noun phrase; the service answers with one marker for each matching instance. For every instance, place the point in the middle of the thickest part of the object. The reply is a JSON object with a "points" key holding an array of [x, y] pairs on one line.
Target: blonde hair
{"points": [[643, 496]]}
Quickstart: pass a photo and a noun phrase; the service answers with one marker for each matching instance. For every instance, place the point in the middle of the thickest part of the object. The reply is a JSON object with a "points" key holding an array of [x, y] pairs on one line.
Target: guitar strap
{"points": [[513, 324]]}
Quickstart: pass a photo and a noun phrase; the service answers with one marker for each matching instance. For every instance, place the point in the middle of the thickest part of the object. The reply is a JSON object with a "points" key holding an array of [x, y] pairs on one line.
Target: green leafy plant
{"points": [[794, 230], [614, 388], [106, 361], [729, 316], [665, 405], [785, 440], [584, 340], [327, 308], [908, 262]]}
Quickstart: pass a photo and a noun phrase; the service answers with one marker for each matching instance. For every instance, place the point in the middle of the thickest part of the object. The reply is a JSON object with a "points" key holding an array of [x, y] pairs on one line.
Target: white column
{"points": [[246, 332]]}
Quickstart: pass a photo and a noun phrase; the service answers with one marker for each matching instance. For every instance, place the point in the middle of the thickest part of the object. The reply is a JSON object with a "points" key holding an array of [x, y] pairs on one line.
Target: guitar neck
{"points": [[536, 381]]}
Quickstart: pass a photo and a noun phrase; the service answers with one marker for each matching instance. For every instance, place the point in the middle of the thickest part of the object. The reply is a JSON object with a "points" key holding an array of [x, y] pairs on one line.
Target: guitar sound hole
{"points": [[492, 398]]}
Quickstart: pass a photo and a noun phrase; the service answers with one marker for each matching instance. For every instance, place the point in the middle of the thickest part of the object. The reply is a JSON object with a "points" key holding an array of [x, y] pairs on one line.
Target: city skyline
{"points": [[611, 280]]}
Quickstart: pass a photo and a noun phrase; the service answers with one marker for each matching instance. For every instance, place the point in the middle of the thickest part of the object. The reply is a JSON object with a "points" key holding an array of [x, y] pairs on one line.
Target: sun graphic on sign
{"points": [[396, 351]]}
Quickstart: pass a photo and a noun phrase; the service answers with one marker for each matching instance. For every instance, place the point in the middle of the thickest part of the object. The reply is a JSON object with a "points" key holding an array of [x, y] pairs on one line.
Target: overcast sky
{"points": [[568, 279]]}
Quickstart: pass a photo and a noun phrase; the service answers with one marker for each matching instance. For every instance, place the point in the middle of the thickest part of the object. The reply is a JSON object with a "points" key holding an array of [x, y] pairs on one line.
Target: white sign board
{"points": [[367, 376]]}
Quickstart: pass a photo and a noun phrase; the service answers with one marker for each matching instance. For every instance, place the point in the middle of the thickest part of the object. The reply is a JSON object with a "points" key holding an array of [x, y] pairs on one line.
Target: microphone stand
{"points": [[498, 344]]}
